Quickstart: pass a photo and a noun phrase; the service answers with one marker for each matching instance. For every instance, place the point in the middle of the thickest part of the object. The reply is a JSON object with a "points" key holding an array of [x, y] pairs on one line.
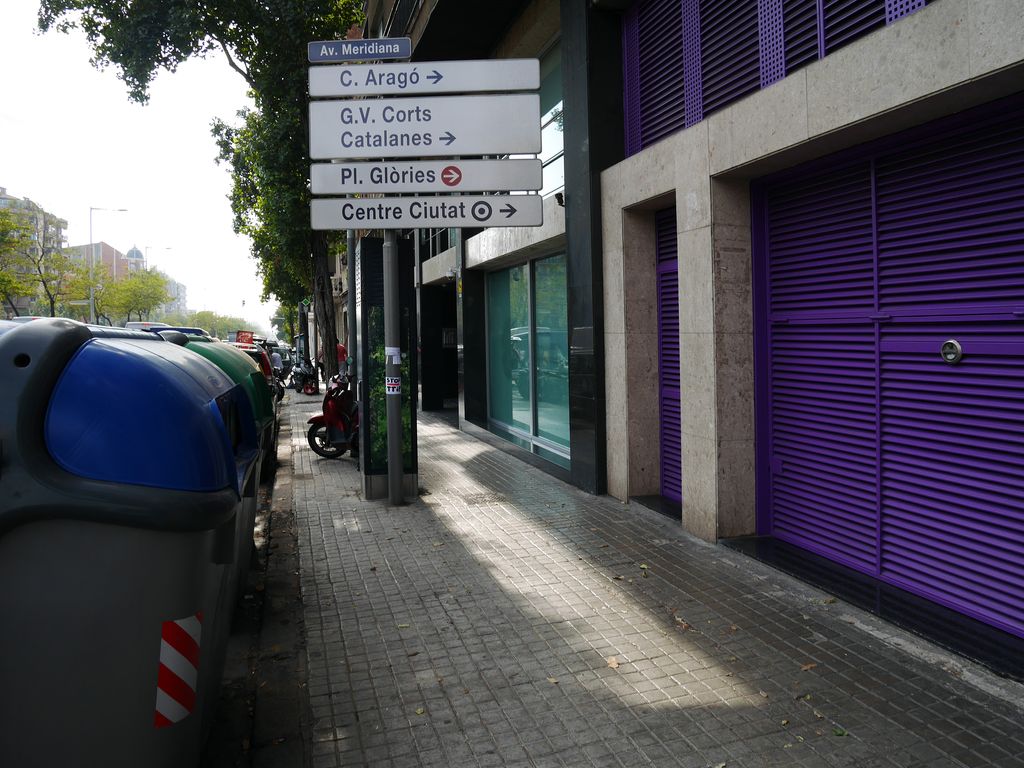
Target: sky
{"points": [[71, 140]]}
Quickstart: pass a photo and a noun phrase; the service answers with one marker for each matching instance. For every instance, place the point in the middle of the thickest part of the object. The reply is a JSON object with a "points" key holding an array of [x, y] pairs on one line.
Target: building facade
{"points": [[784, 270]]}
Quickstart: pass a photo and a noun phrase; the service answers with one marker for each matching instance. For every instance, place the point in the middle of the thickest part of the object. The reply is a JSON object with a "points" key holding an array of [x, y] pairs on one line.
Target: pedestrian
{"points": [[342, 355]]}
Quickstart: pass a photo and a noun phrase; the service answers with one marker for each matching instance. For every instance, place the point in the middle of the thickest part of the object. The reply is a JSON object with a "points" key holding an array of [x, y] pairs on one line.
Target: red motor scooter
{"points": [[336, 430]]}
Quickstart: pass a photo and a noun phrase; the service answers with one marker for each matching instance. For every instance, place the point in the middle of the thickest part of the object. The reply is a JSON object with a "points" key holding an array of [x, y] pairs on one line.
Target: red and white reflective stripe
{"points": [[178, 676]]}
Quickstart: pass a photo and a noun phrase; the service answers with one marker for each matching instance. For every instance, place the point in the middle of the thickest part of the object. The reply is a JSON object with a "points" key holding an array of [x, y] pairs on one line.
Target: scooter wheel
{"points": [[318, 441]]}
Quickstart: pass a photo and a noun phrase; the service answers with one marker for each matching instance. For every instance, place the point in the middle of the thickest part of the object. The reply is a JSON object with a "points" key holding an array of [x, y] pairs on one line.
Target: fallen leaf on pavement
{"points": [[553, 680], [613, 662], [829, 600], [763, 694], [808, 667], [420, 711], [839, 731], [403, 626], [785, 722]]}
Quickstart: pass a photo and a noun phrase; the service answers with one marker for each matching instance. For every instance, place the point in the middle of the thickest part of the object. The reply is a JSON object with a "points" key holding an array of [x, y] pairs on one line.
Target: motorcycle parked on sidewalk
{"points": [[303, 379], [336, 430], [279, 384]]}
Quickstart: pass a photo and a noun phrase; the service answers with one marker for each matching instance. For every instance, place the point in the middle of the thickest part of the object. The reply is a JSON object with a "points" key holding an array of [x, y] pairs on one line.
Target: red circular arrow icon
{"points": [[451, 175]]}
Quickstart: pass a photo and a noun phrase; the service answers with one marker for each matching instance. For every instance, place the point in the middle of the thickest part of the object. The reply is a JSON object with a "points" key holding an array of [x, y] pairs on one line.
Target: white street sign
{"points": [[426, 176], [412, 212], [425, 127], [425, 78]]}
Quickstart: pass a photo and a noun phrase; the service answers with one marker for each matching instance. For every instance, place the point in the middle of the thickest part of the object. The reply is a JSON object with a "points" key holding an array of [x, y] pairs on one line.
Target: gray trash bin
{"points": [[121, 462]]}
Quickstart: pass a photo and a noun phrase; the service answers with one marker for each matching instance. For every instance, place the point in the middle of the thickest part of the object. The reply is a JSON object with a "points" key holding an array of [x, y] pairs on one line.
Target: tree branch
{"points": [[235, 66]]}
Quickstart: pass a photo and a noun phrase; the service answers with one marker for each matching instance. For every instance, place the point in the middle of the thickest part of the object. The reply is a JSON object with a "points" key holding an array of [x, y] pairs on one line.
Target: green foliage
{"points": [[266, 44], [286, 320], [218, 325], [139, 293], [15, 267]]}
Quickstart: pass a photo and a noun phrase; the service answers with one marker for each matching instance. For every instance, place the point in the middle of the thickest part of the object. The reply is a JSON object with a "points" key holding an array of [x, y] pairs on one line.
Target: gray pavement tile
{"points": [[465, 602]]}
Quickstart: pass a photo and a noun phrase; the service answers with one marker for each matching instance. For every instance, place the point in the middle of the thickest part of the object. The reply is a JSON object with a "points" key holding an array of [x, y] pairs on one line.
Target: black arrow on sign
{"points": [[508, 210], [436, 77], [447, 138]]}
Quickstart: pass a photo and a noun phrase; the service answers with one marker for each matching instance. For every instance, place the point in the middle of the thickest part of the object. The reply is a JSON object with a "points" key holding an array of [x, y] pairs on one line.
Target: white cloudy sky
{"points": [[70, 140]]}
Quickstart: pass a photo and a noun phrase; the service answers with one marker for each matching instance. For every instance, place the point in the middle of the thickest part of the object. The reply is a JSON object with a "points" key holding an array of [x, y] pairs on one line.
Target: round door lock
{"points": [[951, 351]]}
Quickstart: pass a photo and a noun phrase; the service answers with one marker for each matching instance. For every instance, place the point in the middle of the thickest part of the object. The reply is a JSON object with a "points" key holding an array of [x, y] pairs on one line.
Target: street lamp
{"points": [[92, 263]]}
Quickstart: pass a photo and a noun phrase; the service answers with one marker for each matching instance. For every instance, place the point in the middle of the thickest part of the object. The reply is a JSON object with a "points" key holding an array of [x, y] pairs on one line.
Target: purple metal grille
{"points": [[683, 59], [879, 454], [666, 249], [692, 67], [730, 59], [771, 37], [951, 223], [659, 69], [846, 20], [960, 542], [897, 9], [800, 25], [631, 79]]}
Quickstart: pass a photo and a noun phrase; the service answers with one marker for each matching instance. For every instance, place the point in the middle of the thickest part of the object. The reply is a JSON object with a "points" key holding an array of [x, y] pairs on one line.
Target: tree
{"points": [[54, 271], [286, 318], [140, 293], [15, 268], [266, 44]]}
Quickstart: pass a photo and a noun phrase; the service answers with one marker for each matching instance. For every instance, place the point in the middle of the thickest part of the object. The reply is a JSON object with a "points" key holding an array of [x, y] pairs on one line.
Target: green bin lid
{"points": [[241, 369]]}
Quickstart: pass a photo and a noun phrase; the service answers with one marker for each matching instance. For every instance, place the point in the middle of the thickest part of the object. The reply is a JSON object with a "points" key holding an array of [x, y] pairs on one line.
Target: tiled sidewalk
{"points": [[505, 618]]}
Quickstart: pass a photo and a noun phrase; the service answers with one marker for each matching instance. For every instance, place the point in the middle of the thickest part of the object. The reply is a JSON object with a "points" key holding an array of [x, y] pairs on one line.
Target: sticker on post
{"points": [[393, 355], [393, 385]]}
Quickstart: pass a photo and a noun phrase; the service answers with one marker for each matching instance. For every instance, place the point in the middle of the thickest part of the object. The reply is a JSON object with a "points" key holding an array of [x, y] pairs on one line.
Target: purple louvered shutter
{"points": [[631, 80], [952, 464], [823, 412], [800, 25], [882, 455], [951, 266], [730, 51], [668, 354], [659, 105], [846, 20]]}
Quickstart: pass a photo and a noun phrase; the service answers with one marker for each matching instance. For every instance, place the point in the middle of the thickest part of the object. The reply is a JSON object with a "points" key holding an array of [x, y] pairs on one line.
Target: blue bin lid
{"points": [[142, 411]]}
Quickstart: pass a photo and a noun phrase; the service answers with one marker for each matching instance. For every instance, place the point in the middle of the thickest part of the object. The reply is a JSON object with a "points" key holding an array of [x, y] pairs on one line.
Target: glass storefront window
{"points": [[528, 357], [552, 350], [509, 347]]}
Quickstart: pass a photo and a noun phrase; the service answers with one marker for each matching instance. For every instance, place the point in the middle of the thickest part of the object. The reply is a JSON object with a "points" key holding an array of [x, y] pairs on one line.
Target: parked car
{"points": [[145, 325], [187, 330], [25, 318]]}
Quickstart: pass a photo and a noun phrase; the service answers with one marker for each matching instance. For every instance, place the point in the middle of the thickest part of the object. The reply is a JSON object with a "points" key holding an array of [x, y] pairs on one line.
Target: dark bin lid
{"points": [[142, 411]]}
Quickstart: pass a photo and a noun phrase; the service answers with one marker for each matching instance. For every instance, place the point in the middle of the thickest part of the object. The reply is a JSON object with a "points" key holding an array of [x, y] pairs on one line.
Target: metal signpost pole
{"points": [[351, 244], [393, 369], [407, 146]]}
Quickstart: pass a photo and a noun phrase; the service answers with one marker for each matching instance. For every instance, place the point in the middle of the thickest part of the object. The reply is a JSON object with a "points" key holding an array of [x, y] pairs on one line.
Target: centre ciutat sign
{"points": [[387, 134]]}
